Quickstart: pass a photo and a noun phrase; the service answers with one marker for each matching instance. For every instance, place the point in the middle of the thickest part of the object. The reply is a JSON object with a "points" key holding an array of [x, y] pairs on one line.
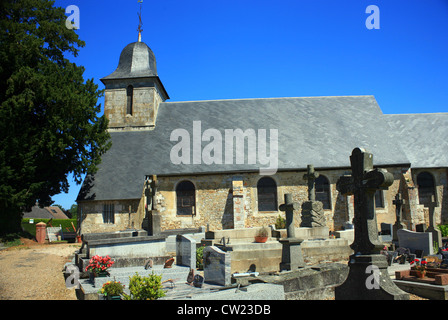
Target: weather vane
{"points": [[140, 23]]}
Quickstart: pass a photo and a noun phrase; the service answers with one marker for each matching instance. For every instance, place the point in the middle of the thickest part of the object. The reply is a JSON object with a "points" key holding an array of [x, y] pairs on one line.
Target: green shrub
{"points": [[200, 257], [444, 229], [280, 223], [145, 288]]}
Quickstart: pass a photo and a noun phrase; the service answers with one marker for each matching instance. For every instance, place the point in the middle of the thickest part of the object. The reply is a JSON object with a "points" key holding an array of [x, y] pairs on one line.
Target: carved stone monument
{"points": [[436, 233], [368, 278], [292, 257], [312, 210], [238, 202], [398, 202], [152, 220]]}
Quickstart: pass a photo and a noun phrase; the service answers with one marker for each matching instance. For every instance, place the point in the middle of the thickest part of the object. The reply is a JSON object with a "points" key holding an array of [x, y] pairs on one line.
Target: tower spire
{"points": [[140, 23]]}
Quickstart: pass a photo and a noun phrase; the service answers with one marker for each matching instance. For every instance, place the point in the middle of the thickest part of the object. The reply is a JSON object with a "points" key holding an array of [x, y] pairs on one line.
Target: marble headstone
{"points": [[186, 251], [216, 266]]}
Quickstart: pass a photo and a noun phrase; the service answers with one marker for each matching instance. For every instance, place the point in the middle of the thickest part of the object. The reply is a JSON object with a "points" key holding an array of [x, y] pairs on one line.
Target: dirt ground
{"points": [[33, 271]]}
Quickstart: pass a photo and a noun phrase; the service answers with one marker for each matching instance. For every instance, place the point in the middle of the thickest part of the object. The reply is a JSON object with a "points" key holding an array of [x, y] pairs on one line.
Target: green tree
{"points": [[49, 122], [73, 211]]}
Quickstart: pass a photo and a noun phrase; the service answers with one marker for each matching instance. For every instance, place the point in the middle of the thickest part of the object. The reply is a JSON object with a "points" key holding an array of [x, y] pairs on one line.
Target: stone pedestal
{"points": [[368, 280], [292, 257], [312, 214], [397, 226], [238, 203]]}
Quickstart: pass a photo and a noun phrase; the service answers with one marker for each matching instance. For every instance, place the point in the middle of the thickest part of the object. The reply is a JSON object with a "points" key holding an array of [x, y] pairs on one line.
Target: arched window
{"points": [[322, 187], [426, 187], [185, 194], [267, 194], [129, 99]]}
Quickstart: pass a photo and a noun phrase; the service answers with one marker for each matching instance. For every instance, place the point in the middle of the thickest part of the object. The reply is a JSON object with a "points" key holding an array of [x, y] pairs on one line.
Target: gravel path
{"points": [[34, 271]]}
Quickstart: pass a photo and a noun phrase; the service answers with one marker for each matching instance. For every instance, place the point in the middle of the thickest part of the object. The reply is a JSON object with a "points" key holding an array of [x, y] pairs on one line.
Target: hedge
{"points": [[64, 223]]}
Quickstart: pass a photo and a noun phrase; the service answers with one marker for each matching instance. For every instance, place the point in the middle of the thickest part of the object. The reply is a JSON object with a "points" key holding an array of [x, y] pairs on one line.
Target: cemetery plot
{"points": [[434, 276]]}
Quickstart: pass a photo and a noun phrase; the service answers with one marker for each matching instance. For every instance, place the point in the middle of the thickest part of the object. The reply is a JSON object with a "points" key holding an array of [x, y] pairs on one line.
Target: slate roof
{"points": [[45, 213], [424, 138], [321, 131], [136, 60]]}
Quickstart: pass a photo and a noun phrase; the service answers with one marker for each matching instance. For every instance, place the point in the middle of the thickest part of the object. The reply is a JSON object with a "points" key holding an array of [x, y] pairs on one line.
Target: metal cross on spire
{"points": [[140, 23]]}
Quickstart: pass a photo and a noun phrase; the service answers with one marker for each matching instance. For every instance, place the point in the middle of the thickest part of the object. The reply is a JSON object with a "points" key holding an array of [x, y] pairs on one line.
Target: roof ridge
{"points": [[272, 98], [416, 114]]}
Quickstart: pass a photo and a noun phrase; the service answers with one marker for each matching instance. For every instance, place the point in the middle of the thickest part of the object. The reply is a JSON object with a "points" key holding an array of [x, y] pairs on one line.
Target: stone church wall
{"points": [[90, 214], [214, 202], [214, 205]]}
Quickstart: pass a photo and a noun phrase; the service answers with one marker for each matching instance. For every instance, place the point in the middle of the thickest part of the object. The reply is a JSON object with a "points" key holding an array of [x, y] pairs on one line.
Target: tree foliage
{"points": [[49, 123]]}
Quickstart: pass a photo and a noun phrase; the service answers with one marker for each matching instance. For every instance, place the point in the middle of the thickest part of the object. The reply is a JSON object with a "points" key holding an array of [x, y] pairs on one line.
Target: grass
{"points": [[29, 231]]}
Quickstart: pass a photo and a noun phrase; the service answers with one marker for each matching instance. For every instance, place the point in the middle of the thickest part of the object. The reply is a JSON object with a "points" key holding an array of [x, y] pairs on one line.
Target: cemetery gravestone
{"points": [[216, 266], [186, 251], [398, 202], [368, 278], [386, 232], [312, 210], [292, 257], [436, 234], [152, 220], [421, 227], [416, 241]]}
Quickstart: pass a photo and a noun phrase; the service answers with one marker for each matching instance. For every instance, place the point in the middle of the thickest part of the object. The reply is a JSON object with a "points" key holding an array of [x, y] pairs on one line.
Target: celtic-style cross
{"points": [[289, 208], [363, 183], [311, 176]]}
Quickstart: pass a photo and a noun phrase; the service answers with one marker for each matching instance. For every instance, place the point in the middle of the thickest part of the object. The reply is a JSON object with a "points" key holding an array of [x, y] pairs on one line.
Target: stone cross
{"points": [[363, 183], [292, 257], [398, 202], [368, 278], [152, 216], [311, 176], [432, 205], [436, 234], [289, 208]]}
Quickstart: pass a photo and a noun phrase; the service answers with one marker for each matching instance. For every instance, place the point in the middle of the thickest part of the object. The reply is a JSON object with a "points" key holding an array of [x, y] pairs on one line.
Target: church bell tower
{"points": [[133, 91]]}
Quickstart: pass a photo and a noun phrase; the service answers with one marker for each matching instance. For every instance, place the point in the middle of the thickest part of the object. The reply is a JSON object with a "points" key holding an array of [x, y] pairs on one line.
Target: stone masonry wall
{"points": [[214, 202]]}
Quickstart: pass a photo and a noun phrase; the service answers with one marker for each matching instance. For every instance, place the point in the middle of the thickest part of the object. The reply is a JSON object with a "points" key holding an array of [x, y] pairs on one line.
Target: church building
{"points": [[228, 163]]}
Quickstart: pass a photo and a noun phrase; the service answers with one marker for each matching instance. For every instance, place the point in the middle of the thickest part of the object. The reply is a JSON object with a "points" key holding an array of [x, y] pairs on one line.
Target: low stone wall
{"points": [[266, 257], [309, 283]]}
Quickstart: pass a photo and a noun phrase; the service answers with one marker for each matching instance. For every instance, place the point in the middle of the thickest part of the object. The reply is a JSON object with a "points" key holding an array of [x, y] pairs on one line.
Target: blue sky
{"points": [[214, 49]]}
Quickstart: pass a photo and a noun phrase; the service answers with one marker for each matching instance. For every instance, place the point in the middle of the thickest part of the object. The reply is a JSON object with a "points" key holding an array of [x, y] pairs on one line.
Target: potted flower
{"points": [[262, 235], [98, 266], [112, 290], [419, 266]]}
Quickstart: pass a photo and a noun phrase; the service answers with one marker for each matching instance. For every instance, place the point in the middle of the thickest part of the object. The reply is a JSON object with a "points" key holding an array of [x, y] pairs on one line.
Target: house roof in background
{"points": [[51, 212]]}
